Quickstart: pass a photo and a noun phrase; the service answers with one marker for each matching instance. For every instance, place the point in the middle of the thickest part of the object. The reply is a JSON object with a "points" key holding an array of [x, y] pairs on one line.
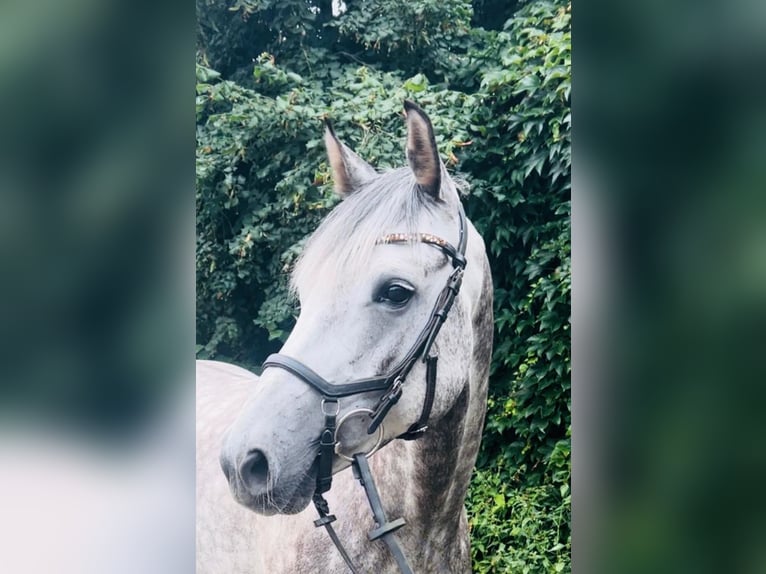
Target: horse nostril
{"points": [[254, 471]]}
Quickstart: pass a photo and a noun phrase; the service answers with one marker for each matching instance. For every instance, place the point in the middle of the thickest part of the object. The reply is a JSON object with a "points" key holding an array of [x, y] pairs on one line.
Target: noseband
{"points": [[391, 386]]}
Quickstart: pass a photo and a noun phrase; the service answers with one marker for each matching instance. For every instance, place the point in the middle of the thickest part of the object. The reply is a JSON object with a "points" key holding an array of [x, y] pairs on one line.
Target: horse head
{"points": [[368, 282]]}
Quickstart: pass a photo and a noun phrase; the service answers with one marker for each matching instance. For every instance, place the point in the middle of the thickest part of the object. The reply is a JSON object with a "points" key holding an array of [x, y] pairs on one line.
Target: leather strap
{"points": [[330, 409], [327, 389], [421, 348], [384, 529], [417, 429], [326, 519]]}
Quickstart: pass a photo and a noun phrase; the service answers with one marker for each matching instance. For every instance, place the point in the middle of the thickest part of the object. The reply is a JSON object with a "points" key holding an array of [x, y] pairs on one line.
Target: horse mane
{"points": [[345, 239]]}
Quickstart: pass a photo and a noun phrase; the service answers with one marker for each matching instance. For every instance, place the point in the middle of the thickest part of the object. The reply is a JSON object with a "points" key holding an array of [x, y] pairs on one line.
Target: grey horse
{"points": [[362, 304]]}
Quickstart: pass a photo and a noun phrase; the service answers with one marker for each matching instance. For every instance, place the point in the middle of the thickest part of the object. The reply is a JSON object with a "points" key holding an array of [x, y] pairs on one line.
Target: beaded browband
{"points": [[458, 258], [412, 237]]}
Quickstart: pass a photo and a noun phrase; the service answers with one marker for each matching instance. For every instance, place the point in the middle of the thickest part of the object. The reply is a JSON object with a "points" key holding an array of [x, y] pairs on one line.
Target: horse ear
{"points": [[422, 154], [349, 171]]}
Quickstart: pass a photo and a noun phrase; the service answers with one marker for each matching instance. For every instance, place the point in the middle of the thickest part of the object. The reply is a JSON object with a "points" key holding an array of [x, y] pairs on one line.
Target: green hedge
{"points": [[499, 100]]}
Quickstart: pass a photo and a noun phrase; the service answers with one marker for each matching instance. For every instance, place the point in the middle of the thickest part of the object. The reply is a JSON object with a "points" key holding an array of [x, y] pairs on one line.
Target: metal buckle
{"points": [[389, 399], [331, 402], [385, 404], [456, 279], [396, 389]]}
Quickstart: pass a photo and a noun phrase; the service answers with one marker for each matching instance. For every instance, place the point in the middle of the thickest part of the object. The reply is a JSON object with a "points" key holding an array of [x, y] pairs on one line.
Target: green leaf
{"points": [[417, 83]]}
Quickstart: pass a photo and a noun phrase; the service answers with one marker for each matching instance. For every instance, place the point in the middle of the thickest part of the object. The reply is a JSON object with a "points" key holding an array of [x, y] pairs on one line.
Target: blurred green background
{"points": [[495, 78]]}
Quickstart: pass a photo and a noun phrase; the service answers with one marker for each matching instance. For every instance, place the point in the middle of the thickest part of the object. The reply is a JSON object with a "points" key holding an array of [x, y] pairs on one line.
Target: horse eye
{"points": [[395, 294]]}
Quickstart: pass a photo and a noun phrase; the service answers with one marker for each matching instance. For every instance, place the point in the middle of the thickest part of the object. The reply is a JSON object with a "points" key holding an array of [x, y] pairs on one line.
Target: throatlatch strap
{"points": [[384, 529], [417, 429]]}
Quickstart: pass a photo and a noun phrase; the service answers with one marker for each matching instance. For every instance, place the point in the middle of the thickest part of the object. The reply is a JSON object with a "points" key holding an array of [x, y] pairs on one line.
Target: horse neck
{"points": [[444, 461]]}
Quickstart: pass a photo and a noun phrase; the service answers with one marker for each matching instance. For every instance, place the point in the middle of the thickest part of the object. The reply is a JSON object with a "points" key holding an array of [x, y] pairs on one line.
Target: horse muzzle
{"points": [[257, 483]]}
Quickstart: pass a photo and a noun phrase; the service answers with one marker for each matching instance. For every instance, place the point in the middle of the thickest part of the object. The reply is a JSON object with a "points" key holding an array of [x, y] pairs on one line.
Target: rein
{"points": [[391, 385]]}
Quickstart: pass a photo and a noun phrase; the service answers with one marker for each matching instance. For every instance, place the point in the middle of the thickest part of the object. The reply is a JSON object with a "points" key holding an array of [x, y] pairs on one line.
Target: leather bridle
{"points": [[391, 386]]}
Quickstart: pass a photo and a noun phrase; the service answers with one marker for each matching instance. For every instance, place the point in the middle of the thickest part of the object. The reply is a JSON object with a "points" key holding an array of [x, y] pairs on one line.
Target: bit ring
{"points": [[343, 419]]}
